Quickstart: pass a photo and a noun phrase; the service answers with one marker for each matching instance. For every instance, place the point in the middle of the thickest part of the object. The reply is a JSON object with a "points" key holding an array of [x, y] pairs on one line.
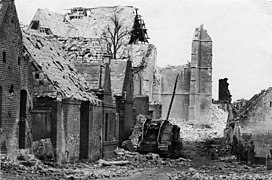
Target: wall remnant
{"points": [[193, 97], [223, 91], [15, 84], [255, 118]]}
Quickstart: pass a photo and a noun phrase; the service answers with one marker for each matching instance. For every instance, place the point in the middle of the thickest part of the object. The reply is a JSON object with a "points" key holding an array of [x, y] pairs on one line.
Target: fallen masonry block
{"points": [[102, 162]]}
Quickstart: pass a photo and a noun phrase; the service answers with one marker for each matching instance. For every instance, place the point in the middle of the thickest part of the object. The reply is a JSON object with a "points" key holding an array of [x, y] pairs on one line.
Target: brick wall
{"points": [[13, 78]]}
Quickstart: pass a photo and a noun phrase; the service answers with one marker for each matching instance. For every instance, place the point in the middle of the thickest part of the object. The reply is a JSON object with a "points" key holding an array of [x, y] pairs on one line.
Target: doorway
{"points": [[22, 119], [84, 130]]}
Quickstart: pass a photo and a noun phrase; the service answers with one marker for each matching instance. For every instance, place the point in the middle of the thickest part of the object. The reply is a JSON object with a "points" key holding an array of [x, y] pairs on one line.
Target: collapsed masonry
{"points": [[80, 33]]}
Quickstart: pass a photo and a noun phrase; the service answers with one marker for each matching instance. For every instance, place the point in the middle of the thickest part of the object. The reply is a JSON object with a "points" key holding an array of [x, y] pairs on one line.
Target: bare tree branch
{"points": [[114, 36]]}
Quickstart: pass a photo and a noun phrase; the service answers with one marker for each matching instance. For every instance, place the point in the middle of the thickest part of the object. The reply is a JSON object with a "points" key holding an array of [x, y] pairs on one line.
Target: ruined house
{"points": [[193, 96], [15, 85], [64, 107], [255, 121], [79, 32]]}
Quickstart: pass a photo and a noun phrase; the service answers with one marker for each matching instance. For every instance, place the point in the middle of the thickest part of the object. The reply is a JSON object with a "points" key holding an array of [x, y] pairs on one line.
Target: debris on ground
{"points": [[140, 166], [102, 162], [43, 149], [202, 132]]}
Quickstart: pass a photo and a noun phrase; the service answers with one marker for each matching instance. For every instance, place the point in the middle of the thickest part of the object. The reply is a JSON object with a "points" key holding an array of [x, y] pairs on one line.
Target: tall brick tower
{"points": [[201, 76]]}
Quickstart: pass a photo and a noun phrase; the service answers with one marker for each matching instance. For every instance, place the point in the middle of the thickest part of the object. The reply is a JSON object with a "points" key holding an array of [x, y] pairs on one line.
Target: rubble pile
{"points": [[201, 132], [27, 165], [125, 164], [132, 164], [148, 160]]}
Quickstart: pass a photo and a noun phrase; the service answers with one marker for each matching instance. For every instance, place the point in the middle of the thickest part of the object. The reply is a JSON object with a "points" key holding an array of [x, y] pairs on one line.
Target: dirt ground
{"points": [[196, 163]]}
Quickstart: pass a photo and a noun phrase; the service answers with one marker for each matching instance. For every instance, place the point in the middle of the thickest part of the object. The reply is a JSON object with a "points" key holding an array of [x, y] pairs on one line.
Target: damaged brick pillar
{"points": [[201, 76], [60, 136], [223, 91]]}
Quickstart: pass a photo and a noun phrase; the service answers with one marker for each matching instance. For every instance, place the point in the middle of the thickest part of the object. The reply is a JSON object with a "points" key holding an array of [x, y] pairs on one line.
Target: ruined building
{"points": [[194, 90], [15, 89], [80, 31], [254, 119]]}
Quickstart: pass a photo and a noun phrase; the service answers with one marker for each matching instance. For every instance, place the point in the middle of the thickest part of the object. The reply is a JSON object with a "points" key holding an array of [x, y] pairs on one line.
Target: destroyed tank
{"points": [[157, 135], [160, 136]]}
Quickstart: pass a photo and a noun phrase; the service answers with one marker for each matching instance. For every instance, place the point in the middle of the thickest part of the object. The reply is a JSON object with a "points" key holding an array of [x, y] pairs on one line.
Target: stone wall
{"points": [[180, 107], [201, 76]]}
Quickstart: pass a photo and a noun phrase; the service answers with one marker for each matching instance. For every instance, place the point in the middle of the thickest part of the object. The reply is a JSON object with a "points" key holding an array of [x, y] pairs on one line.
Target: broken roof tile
{"points": [[56, 68]]}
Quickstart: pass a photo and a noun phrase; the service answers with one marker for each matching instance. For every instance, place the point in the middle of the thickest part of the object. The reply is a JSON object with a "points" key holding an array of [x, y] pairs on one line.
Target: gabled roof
{"points": [[58, 77], [3, 9]]}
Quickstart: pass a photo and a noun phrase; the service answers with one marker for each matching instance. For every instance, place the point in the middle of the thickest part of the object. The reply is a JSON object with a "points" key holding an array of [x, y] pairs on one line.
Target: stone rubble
{"points": [[208, 130]]}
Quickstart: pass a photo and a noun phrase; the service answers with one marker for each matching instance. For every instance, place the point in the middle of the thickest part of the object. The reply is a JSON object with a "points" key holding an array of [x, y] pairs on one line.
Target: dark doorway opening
{"points": [[41, 124], [84, 130], [22, 120]]}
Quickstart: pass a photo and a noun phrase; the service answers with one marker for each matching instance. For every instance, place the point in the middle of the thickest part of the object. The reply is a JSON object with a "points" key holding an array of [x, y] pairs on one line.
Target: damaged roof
{"points": [[90, 26], [253, 103], [56, 74]]}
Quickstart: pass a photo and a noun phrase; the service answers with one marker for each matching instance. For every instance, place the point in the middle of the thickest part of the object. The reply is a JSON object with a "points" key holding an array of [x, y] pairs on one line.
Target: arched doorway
{"points": [[22, 120]]}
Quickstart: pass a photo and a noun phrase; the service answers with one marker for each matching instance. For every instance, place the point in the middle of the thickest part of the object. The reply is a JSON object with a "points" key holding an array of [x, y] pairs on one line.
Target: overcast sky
{"points": [[241, 31]]}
